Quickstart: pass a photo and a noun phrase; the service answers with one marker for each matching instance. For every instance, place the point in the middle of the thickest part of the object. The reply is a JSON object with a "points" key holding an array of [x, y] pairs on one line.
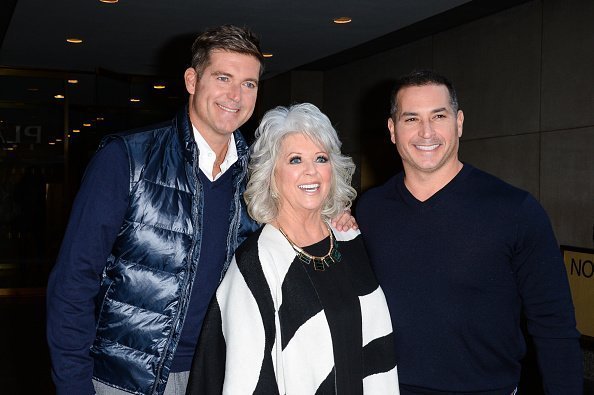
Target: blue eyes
{"points": [[247, 84], [294, 160]]}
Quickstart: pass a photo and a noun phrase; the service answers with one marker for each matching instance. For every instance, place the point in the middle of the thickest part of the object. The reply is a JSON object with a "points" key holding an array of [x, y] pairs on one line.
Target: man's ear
{"points": [[190, 79], [392, 129], [460, 122]]}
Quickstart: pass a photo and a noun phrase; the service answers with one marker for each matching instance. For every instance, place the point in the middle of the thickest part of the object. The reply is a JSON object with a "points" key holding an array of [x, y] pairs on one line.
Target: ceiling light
{"points": [[86, 125], [33, 89], [109, 1], [134, 100], [58, 96], [58, 140], [75, 131], [159, 86], [52, 143], [74, 40], [342, 20], [100, 118], [267, 54], [73, 81]]}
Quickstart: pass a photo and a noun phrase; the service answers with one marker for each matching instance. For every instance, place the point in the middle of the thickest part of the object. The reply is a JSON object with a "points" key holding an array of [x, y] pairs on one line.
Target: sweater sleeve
{"points": [[96, 217], [547, 303]]}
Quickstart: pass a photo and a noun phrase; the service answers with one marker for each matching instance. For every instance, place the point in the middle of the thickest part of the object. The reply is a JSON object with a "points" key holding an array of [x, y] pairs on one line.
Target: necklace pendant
{"points": [[320, 265], [305, 259], [335, 255]]}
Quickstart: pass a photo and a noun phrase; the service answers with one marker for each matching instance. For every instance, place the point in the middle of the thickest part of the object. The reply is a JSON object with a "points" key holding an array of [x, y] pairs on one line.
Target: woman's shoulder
{"points": [[249, 244], [269, 251]]}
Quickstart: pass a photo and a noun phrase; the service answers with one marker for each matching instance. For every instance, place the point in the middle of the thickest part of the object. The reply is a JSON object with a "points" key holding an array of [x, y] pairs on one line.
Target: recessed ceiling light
{"points": [[159, 86], [134, 100], [74, 40], [267, 54], [58, 96], [100, 118], [52, 143], [109, 1], [342, 20], [75, 131], [58, 140], [72, 81], [86, 125]]}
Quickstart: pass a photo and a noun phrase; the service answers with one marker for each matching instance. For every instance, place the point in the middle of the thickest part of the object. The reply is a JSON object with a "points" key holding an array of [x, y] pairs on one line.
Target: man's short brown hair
{"points": [[228, 38]]}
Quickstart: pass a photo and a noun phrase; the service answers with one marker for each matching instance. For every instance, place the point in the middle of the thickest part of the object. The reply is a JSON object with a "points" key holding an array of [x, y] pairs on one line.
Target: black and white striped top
{"points": [[276, 326]]}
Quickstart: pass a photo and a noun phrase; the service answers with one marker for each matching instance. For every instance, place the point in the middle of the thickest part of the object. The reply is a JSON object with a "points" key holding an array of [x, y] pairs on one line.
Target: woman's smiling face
{"points": [[302, 175]]}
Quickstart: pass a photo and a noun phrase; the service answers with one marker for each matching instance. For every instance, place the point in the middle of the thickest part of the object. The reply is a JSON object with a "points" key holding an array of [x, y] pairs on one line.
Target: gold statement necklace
{"points": [[320, 263]]}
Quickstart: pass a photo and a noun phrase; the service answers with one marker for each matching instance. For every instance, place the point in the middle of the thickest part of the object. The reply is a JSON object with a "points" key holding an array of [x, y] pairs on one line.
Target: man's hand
{"points": [[345, 221]]}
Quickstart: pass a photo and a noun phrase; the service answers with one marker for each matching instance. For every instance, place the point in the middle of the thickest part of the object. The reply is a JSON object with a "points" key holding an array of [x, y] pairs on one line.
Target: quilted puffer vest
{"points": [[147, 282]]}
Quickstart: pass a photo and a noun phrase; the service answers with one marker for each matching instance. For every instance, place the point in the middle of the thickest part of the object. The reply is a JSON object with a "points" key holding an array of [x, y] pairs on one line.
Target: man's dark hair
{"points": [[422, 78], [228, 38]]}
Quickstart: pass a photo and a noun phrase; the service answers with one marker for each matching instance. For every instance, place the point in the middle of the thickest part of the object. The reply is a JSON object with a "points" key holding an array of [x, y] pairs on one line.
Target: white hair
{"points": [[306, 119]]}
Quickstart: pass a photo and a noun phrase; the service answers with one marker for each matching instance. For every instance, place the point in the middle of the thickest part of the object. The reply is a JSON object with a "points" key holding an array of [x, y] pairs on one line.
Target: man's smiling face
{"points": [[223, 96], [425, 129]]}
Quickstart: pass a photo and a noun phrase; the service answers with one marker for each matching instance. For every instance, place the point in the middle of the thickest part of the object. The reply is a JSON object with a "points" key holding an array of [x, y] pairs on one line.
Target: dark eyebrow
{"points": [[415, 114], [407, 114]]}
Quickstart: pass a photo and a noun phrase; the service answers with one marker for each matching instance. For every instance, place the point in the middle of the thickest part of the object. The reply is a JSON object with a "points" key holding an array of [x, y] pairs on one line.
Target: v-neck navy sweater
{"points": [[215, 222], [458, 270]]}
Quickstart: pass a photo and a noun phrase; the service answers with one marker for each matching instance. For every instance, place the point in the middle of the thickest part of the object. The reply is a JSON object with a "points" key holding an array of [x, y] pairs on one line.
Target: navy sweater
{"points": [[458, 270], [217, 201]]}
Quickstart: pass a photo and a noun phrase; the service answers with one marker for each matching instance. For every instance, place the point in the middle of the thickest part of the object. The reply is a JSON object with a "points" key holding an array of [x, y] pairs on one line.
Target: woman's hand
{"points": [[344, 221]]}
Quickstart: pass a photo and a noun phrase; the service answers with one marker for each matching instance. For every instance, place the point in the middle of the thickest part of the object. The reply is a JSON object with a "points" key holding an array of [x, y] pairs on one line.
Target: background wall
{"points": [[525, 81]]}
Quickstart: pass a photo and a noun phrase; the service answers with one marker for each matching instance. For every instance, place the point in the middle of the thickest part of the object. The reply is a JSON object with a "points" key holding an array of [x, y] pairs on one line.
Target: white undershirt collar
{"points": [[207, 156]]}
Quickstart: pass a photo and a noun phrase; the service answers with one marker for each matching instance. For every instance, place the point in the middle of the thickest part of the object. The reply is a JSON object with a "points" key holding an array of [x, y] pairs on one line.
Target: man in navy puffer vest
{"points": [[154, 225]]}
